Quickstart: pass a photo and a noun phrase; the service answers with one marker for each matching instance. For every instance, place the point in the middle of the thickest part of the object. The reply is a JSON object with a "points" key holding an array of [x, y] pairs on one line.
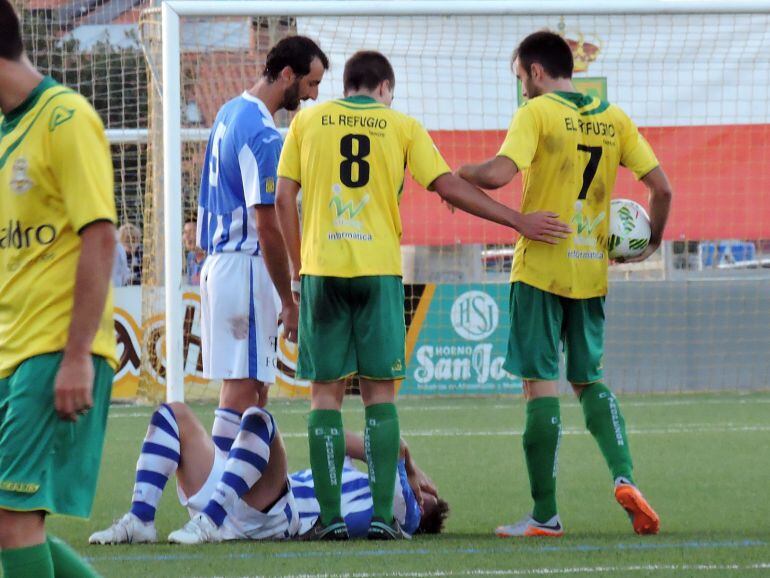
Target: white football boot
{"points": [[127, 530], [199, 530]]}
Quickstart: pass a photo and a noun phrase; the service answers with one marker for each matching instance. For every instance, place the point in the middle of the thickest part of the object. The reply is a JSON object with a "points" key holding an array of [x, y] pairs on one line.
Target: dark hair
{"points": [[432, 521], [367, 69], [549, 50], [11, 47], [296, 52]]}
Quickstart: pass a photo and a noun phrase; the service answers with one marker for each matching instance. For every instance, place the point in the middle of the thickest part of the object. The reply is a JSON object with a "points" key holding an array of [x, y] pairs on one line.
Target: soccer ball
{"points": [[629, 229]]}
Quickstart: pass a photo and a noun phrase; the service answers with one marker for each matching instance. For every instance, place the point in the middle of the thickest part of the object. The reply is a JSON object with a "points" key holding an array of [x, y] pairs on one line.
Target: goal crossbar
{"points": [[173, 10]]}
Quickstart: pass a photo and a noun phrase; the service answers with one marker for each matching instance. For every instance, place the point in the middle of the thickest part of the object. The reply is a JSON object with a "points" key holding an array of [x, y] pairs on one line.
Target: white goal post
{"points": [[174, 10]]}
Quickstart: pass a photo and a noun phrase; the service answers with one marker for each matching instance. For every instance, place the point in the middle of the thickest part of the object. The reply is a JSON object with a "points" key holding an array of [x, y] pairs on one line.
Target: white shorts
{"points": [[244, 522], [239, 318]]}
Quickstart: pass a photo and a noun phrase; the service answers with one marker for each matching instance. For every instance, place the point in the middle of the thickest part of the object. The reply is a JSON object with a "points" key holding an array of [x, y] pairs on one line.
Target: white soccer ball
{"points": [[629, 229]]}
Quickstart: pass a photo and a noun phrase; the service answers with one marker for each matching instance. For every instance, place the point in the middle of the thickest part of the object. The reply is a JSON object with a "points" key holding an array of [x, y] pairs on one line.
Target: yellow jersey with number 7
{"points": [[350, 157], [569, 147]]}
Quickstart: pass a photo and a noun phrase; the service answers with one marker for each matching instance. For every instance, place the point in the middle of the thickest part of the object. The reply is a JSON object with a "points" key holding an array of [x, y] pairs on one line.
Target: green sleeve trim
{"points": [[12, 118], [560, 101], [344, 104], [98, 220], [14, 145], [359, 99], [603, 105]]}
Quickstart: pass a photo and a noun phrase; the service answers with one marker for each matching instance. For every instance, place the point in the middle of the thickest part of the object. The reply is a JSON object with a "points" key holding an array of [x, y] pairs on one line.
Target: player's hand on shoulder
{"points": [[73, 386], [543, 226]]}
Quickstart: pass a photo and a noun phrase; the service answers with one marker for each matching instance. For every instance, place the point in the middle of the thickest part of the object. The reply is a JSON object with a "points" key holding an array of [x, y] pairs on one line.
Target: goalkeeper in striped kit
{"points": [[569, 147], [349, 156]]}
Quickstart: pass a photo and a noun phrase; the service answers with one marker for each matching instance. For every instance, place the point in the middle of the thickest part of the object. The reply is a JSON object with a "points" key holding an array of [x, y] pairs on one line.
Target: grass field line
{"points": [[431, 551], [670, 430], [120, 412], [555, 571], [684, 429]]}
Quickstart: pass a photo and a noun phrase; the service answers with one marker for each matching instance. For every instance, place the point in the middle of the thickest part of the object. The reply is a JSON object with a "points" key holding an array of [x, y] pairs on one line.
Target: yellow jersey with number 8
{"points": [[569, 147], [350, 157]]}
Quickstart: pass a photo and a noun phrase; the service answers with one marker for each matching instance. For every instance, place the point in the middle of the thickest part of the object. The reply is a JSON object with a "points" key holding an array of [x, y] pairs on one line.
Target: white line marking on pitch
{"points": [[541, 571], [570, 432], [116, 413], [683, 429]]}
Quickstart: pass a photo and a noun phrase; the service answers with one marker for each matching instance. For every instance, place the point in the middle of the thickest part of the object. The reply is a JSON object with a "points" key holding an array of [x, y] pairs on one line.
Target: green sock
{"points": [[326, 439], [382, 439], [29, 562], [541, 448], [67, 563], [605, 422]]}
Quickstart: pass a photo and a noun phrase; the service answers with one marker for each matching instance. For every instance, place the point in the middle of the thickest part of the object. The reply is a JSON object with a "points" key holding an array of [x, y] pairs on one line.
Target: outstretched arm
{"points": [[542, 226], [491, 174], [660, 205]]}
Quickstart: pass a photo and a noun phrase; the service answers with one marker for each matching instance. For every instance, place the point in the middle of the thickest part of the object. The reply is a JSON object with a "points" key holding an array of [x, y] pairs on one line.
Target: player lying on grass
{"points": [[236, 485]]}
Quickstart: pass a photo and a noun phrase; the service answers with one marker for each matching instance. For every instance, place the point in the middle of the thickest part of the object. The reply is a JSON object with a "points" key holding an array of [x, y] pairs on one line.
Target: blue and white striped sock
{"points": [[157, 462], [245, 464], [227, 424]]}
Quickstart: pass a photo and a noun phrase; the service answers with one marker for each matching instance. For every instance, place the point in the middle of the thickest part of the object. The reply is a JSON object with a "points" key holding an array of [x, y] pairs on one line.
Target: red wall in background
{"points": [[720, 176]]}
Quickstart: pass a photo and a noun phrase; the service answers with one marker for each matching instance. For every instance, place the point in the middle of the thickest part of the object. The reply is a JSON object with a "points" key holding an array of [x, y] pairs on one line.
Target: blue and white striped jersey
{"points": [[356, 500], [239, 173]]}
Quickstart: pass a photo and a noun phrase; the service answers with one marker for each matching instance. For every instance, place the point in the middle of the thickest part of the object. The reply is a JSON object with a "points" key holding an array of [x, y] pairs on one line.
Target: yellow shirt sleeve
{"points": [[635, 152], [520, 143], [81, 162], [290, 163], [423, 158]]}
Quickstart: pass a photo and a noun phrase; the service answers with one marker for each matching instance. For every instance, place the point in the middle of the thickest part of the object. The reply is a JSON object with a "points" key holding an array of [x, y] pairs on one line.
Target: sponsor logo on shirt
{"points": [[20, 181], [59, 116], [585, 226], [345, 213], [17, 235]]}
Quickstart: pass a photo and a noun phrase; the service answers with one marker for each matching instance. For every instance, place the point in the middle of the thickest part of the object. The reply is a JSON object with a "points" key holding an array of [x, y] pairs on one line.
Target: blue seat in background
{"points": [[713, 254]]}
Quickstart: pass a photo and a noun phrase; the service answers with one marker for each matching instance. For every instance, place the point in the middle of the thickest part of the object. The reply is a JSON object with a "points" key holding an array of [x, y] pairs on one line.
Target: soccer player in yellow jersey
{"points": [[350, 156], [57, 339], [569, 147]]}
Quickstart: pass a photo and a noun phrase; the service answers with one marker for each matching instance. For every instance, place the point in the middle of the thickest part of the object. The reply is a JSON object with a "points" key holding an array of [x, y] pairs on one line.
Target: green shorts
{"points": [[46, 463], [350, 326], [539, 320]]}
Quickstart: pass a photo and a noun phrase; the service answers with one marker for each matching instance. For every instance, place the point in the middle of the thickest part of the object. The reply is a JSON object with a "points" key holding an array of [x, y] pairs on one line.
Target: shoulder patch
{"points": [[270, 135], [59, 116]]}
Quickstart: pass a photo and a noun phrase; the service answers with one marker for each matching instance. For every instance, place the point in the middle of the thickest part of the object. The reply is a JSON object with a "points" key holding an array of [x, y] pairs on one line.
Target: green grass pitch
{"points": [[702, 460]]}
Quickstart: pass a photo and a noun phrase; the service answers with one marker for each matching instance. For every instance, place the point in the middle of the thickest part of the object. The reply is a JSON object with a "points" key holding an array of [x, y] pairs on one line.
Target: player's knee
{"points": [[240, 394], [258, 420], [19, 529], [181, 414], [179, 410]]}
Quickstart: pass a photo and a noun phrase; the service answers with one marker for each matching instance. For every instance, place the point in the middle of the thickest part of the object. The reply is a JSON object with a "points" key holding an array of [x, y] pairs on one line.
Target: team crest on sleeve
{"points": [[59, 116], [20, 181], [269, 185]]}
